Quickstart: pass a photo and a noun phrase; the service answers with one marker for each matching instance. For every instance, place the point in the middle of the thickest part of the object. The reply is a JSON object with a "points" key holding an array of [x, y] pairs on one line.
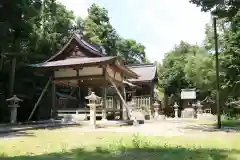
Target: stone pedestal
{"points": [[124, 113], [13, 113], [104, 115], [161, 117], [199, 111], [93, 115], [156, 114], [175, 110]]}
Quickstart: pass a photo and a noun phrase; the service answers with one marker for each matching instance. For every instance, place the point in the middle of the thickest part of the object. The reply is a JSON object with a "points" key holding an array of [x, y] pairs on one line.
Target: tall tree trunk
{"points": [[12, 77], [1, 63]]}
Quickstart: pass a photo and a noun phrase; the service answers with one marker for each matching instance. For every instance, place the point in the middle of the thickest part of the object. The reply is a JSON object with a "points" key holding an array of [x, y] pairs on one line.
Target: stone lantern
{"points": [[199, 107], [175, 106], [13, 105], [93, 98], [156, 109]]}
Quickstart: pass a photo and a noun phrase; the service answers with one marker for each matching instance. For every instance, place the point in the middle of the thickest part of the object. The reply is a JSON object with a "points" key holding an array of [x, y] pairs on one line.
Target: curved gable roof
{"points": [[146, 72], [93, 48]]}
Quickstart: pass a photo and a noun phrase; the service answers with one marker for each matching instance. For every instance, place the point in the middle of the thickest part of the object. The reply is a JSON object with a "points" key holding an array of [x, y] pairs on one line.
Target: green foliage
{"points": [[188, 66], [131, 51], [98, 29], [230, 56], [221, 8], [200, 71], [172, 74]]}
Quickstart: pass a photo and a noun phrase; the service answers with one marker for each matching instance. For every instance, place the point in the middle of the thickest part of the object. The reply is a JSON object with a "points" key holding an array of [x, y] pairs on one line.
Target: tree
{"points": [[230, 57], [98, 30], [200, 71], [209, 43], [131, 51], [222, 8], [173, 76]]}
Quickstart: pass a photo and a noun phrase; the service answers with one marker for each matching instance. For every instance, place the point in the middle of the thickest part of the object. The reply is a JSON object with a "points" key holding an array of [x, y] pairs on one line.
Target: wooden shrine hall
{"points": [[83, 67]]}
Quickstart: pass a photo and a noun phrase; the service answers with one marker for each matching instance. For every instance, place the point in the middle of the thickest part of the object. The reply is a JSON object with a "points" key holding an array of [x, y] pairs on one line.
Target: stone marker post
{"points": [[13, 104], [92, 105], [175, 106]]}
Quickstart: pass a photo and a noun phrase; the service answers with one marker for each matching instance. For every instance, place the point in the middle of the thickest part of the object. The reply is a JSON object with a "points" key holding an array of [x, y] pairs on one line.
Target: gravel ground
{"points": [[170, 127]]}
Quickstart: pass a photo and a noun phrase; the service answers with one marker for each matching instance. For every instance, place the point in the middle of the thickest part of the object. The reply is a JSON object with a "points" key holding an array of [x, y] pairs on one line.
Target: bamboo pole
{"points": [[39, 99]]}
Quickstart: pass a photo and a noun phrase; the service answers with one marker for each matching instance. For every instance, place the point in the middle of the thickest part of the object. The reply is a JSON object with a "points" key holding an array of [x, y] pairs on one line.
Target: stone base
{"points": [[161, 117], [104, 119]]}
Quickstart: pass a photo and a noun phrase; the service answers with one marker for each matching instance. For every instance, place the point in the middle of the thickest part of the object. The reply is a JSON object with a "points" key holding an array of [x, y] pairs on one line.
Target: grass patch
{"points": [[72, 144], [231, 123], [225, 123]]}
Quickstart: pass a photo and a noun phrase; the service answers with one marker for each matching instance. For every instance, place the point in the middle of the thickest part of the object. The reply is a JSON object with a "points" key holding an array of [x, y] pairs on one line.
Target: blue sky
{"points": [[157, 24]]}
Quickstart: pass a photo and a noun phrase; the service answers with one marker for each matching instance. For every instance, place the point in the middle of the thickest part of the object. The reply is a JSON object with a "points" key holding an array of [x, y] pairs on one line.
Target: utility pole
{"points": [[217, 73]]}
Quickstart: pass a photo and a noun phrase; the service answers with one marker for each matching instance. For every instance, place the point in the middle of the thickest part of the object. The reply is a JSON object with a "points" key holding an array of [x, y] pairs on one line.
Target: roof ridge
{"points": [[142, 65]]}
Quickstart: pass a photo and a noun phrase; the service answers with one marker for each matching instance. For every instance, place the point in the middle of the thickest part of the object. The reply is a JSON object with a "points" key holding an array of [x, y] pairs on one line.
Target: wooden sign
{"points": [[188, 94]]}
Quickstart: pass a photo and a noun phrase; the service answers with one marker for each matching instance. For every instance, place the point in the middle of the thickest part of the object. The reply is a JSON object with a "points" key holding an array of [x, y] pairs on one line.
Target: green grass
{"points": [[231, 123], [72, 144], [225, 123]]}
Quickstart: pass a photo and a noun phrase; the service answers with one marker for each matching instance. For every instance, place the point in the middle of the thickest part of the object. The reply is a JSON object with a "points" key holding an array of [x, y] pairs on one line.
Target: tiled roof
{"points": [[93, 48], [146, 72], [84, 62], [73, 62]]}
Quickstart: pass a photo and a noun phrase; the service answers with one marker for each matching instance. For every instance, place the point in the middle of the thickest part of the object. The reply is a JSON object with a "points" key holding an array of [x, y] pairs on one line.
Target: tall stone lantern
{"points": [[13, 105], [175, 106], [93, 98]]}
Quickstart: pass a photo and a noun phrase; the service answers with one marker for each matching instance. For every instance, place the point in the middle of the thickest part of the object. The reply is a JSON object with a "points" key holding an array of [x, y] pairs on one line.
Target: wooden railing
{"points": [[140, 101], [143, 103]]}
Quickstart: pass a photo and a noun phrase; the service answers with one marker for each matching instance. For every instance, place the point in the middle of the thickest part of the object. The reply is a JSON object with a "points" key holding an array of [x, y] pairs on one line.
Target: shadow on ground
{"points": [[122, 153], [17, 134], [212, 128], [10, 131]]}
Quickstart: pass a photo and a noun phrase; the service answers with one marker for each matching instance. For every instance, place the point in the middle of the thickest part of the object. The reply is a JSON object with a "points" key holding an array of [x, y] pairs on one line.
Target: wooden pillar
{"points": [[79, 97], [124, 110], [151, 97], [121, 108], [78, 91], [104, 104], [53, 110]]}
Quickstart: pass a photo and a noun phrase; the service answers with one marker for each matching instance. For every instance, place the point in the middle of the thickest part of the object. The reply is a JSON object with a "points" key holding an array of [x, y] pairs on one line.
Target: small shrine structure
{"points": [[84, 68]]}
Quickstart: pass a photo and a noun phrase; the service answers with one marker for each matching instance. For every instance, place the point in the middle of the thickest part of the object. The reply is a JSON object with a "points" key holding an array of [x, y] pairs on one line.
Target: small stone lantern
{"points": [[13, 104], [93, 98], [197, 109], [175, 106]]}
